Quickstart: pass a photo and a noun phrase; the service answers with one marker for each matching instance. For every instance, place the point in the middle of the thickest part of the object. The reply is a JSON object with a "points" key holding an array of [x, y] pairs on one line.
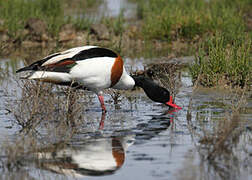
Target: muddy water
{"points": [[137, 138]]}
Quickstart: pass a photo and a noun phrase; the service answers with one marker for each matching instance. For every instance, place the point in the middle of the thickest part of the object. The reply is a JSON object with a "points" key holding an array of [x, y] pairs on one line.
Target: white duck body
{"points": [[50, 76], [94, 73]]}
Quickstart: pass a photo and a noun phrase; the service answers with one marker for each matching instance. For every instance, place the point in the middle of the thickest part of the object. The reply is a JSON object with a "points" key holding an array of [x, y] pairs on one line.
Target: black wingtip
{"points": [[24, 69]]}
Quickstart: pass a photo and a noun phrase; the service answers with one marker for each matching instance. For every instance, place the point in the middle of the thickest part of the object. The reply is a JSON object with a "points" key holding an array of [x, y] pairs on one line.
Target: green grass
{"points": [[219, 63], [15, 14], [169, 20], [55, 13], [81, 22], [216, 30]]}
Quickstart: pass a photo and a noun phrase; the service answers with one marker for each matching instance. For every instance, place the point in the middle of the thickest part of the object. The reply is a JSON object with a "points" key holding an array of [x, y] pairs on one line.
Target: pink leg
{"points": [[101, 99], [101, 126]]}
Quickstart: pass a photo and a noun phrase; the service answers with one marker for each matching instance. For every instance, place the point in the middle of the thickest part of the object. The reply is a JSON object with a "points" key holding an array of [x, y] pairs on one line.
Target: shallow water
{"points": [[139, 138], [111, 9]]}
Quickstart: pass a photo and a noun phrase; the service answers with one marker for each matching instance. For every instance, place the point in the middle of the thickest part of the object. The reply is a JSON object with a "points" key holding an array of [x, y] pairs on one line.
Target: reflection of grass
{"points": [[226, 131], [220, 140], [213, 105], [223, 149]]}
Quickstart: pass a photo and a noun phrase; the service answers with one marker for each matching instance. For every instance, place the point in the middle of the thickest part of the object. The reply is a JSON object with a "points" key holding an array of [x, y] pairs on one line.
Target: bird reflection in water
{"points": [[93, 157], [97, 155]]}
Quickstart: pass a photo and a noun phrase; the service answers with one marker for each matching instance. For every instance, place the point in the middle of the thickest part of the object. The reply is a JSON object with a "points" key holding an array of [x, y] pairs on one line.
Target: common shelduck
{"points": [[94, 68]]}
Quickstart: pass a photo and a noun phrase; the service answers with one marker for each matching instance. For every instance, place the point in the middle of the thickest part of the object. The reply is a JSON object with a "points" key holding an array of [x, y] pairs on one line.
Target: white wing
{"points": [[65, 54]]}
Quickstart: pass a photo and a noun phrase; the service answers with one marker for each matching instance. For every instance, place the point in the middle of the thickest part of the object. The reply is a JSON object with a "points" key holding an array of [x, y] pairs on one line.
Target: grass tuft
{"points": [[169, 20], [16, 13], [218, 62]]}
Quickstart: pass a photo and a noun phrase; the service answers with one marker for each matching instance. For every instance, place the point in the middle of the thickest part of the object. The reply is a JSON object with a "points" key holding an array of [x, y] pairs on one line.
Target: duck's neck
{"points": [[144, 82], [126, 82]]}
